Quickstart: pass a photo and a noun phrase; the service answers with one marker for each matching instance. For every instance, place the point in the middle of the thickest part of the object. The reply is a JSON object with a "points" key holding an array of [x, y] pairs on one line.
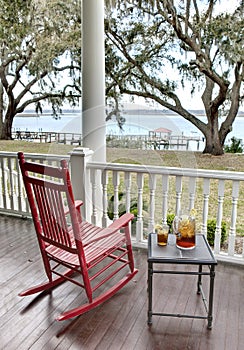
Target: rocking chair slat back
{"points": [[51, 210], [49, 200]]}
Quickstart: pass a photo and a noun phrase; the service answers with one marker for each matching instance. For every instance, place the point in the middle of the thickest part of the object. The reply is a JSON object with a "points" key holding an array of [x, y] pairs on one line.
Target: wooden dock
{"points": [[48, 137], [122, 141], [153, 142]]}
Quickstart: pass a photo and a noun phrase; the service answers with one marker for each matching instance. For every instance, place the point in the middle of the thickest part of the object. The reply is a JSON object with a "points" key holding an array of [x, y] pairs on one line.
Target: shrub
{"points": [[236, 146], [121, 208], [133, 210], [211, 227]]}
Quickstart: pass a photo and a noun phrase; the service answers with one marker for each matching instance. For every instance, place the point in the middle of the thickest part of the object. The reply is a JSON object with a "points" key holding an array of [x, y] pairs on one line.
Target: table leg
{"points": [[149, 290], [211, 292], [199, 281]]}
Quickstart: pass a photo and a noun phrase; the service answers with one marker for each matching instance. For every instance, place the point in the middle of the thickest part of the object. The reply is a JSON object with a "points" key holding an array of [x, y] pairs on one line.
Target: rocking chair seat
{"points": [[70, 246], [93, 248]]}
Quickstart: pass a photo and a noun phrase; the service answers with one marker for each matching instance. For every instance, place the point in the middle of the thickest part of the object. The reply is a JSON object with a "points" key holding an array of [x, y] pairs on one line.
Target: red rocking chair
{"points": [[96, 255]]}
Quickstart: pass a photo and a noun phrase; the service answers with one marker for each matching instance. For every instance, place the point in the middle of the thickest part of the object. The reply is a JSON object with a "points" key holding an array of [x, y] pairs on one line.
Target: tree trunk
{"points": [[213, 146], [5, 133], [213, 143], [6, 128]]}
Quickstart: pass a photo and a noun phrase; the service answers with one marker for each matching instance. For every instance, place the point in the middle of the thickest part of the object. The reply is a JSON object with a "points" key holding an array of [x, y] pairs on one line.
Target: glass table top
{"points": [[201, 254]]}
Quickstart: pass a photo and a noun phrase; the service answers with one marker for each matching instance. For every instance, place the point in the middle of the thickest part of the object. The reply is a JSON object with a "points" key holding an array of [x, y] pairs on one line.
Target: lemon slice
{"points": [[193, 212]]}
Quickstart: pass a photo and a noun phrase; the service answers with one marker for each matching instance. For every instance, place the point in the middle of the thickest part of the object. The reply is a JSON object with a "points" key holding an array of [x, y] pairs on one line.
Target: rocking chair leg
{"points": [[46, 285], [97, 301], [130, 258]]}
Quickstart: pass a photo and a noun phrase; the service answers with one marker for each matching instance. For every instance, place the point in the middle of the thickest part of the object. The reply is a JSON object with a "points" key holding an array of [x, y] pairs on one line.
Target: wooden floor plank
{"points": [[120, 323], [129, 303]]}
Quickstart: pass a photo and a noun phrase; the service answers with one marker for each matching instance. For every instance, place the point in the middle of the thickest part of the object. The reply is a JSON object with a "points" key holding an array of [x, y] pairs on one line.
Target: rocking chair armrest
{"points": [[122, 221], [78, 204], [111, 229]]}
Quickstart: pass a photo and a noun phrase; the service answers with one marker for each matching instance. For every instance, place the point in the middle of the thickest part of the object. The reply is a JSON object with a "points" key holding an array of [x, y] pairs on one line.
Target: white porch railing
{"points": [[153, 192], [13, 198]]}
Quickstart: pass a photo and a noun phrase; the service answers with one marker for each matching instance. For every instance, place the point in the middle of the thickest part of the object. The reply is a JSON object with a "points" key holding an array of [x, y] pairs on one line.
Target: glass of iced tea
{"points": [[184, 227], [162, 234]]}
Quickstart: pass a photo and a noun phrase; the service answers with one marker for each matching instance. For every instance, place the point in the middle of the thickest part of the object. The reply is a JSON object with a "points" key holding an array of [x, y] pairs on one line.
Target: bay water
{"points": [[136, 124]]}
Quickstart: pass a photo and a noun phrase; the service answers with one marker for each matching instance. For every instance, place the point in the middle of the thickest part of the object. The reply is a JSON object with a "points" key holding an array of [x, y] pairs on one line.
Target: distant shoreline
{"points": [[133, 111]]}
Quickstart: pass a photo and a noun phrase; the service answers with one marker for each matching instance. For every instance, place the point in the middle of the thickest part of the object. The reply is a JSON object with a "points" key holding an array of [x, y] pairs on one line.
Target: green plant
{"points": [[236, 146], [211, 227], [122, 208], [133, 210], [170, 218]]}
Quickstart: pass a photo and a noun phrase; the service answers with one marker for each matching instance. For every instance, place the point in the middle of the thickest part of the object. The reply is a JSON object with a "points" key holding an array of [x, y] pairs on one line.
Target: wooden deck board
{"points": [[120, 323]]}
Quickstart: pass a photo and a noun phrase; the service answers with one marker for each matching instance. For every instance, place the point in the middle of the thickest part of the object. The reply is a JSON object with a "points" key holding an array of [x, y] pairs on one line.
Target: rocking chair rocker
{"points": [[96, 255]]}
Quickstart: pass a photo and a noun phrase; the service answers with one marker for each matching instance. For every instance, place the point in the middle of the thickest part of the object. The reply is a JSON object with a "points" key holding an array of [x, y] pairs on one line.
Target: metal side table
{"points": [[200, 256]]}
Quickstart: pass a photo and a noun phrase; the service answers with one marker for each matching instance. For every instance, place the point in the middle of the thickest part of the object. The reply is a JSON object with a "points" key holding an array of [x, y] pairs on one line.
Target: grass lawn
{"points": [[187, 159], [34, 147]]}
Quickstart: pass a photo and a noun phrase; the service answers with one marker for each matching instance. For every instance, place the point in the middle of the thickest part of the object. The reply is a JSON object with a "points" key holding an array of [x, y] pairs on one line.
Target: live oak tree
{"points": [[39, 56], [147, 40]]}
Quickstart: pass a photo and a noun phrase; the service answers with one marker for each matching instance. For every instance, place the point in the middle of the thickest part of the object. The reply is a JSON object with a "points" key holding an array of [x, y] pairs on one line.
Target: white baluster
{"points": [[104, 179], [232, 233], [20, 190], [206, 189], [139, 222], [93, 173], [3, 187], [15, 187], [127, 191], [192, 190], [10, 183], [217, 239], [152, 188], [116, 194], [127, 179], [165, 190], [178, 189], [5, 178]]}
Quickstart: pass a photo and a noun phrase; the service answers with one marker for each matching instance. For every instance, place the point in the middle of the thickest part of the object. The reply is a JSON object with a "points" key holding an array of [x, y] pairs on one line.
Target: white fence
{"points": [[153, 193]]}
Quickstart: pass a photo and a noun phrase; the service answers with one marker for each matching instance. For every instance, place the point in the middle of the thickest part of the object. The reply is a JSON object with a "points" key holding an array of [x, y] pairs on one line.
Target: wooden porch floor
{"points": [[121, 323]]}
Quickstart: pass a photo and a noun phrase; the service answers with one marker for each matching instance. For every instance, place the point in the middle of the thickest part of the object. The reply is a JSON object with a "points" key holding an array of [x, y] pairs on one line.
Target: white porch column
{"points": [[93, 79], [80, 176]]}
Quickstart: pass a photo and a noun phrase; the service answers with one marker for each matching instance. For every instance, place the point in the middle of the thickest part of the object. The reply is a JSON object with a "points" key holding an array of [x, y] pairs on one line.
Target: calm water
{"points": [[135, 125], [67, 123]]}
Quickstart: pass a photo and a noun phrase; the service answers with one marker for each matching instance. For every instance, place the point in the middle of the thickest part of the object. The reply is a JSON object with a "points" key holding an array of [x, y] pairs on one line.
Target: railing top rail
{"points": [[190, 172], [37, 156]]}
